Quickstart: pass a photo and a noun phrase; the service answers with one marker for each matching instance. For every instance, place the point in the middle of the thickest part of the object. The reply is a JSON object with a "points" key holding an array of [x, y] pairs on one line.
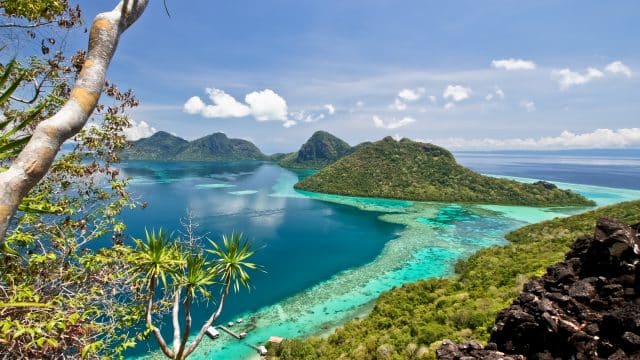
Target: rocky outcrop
{"points": [[586, 307]]}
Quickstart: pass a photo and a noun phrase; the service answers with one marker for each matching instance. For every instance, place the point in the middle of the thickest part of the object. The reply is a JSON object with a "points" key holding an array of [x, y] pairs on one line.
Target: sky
{"points": [[479, 75]]}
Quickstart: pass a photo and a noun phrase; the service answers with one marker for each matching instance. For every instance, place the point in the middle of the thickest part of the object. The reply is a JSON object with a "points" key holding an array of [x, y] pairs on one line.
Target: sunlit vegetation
{"points": [[411, 321], [415, 171]]}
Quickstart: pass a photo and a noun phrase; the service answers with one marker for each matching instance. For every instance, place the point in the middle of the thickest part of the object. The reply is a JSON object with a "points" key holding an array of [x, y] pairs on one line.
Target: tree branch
{"points": [[36, 158], [176, 320], [194, 344], [156, 332]]}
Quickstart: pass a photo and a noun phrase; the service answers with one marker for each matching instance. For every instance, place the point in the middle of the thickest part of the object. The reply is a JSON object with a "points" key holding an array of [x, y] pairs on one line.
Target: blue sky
{"points": [[463, 74]]}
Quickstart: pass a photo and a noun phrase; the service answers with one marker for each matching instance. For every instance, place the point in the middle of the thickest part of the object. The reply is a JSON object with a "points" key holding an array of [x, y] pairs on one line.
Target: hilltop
{"points": [[412, 170], [320, 150], [214, 147]]}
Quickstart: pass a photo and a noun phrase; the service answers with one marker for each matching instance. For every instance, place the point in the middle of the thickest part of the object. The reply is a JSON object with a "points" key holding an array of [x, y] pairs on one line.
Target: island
{"points": [[214, 147], [320, 150], [418, 171]]}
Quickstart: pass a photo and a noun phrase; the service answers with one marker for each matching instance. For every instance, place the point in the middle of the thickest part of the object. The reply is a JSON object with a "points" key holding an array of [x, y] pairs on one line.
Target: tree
{"points": [[38, 155], [60, 299], [187, 274]]}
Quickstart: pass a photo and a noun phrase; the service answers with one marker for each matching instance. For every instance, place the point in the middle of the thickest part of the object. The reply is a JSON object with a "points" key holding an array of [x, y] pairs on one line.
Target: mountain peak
{"points": [[321, 149]]}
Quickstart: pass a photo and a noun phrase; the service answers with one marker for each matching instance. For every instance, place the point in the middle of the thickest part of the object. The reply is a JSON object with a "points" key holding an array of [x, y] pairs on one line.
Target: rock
{"points": [[586, 307], [545, 184]]}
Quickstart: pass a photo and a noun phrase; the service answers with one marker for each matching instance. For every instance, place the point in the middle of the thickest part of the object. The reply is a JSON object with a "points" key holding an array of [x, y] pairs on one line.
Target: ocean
{"points": [[327, 257]]}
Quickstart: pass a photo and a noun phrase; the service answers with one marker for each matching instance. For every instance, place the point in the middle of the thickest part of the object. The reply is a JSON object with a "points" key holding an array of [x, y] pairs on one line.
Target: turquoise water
{"points": [[327, 257]]}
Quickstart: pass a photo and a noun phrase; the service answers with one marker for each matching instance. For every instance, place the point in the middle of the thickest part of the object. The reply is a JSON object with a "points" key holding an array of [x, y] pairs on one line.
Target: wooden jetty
{"points": [[232, 333]]}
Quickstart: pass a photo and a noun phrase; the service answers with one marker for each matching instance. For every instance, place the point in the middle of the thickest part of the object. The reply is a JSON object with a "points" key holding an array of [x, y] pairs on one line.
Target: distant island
{"points": [[214, 147], [412, 170], [320, 150]]}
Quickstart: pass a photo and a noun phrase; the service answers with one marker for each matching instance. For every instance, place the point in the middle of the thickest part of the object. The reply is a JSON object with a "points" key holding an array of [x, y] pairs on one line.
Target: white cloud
{"points": [[513, 64], [618, 68], [394, 124], [567, 78], [398, 105], [600, 138], [499, 92], [360, 104], [456, 92], [411, 94], [307, 117], [489, 97], [330, 109], [528, 105], [265, 105], [433, 99], [138, 130], [194, 105], [449, 106]]}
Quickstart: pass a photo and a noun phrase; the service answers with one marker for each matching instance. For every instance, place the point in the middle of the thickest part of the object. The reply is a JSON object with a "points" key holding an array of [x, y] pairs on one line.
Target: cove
{"points": [[328, 257]]}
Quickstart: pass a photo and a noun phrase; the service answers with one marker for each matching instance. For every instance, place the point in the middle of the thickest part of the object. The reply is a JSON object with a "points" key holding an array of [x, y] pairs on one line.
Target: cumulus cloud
{"points": [[359, 103], [528, 105], [138, 130], [456, 92], [567, 78], [618, 68], [449, 106], [411, 94], [512, 64], [265, 105], [433, 99], [600, 138], [393, 124], [330, 109]]}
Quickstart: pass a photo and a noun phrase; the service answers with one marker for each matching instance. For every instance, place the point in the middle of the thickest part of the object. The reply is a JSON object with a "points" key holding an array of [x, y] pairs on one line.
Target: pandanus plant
{"points": [[192, 274]]}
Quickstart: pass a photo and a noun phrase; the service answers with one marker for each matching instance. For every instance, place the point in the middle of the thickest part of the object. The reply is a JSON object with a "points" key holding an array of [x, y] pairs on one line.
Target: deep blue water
{"points": [[326, 257], [611, 168], [301, 241]]}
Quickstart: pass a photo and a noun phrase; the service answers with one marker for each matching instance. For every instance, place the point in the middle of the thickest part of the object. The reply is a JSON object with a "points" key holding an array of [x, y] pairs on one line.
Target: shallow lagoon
{"points": [[327, 257]]}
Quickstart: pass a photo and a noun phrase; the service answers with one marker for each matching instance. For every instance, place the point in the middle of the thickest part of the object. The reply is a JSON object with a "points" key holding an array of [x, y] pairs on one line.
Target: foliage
{"points": [[63, 295], [183, 264], [214, 147], [319, 151], [415, 171], [460, 308]]}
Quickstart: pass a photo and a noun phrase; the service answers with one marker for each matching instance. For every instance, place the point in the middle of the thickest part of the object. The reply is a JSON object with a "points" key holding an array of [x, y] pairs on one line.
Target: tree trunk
{"points": [[153, 282], [36, 158], [187, 326], [210, 321], [176, 320]]}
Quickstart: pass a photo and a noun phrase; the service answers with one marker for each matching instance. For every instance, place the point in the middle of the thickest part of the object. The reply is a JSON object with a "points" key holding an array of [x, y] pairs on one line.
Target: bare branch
{"points": [[36, 158]]}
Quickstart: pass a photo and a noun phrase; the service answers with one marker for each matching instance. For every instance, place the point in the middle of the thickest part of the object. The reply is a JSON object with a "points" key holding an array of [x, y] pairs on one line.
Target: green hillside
{"points": [[416, 171], [410, 322], [214, 147], [319, 151]]}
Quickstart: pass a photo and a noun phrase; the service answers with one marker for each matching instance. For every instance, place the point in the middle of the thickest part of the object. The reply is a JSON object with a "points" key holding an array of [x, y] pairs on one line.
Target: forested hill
{"points": [[417, 171], [320, 150], [216, 147]]}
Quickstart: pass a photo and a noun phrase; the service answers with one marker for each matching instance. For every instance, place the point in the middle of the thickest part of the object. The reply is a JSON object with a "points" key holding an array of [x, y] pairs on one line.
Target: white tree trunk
{"points": [[36, 158]]}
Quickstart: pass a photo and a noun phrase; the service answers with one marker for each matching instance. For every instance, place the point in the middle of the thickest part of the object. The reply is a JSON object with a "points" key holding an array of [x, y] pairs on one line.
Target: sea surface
{"points": [[327, 258]]}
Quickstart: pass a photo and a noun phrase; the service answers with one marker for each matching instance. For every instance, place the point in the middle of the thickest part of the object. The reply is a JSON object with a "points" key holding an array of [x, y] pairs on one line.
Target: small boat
{"points": [[242, 335], [212, 332], [230, 324], [239, 321]]}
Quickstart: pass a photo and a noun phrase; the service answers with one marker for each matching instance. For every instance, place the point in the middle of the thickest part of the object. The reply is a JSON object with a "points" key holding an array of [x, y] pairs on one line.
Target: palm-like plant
{"points": [[192, 272], [157, 257], [231, 260]]}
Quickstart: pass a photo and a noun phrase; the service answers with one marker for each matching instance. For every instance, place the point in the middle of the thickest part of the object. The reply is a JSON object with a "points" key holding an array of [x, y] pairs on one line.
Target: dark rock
{"points": [[586, 307]]}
